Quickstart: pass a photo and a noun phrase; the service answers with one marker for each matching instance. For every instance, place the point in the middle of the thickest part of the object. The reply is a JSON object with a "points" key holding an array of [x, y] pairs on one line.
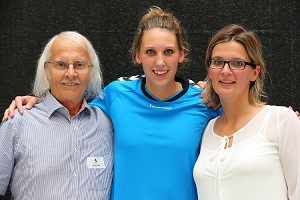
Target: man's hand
{"points": [[19, 101]]}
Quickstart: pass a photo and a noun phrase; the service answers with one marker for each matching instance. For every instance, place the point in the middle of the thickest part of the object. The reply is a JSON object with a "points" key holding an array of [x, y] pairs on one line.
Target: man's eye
{"points": [[169, 51], [150, 51], [79, 64], [60, 64]]}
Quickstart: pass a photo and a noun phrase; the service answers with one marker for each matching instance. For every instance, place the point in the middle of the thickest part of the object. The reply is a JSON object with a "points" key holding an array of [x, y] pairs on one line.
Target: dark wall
{"points": [[26, 26]]}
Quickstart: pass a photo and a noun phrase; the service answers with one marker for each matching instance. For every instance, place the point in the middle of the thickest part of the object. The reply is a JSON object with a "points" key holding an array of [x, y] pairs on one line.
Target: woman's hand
{"points": [[18, 103], [296, 112]]}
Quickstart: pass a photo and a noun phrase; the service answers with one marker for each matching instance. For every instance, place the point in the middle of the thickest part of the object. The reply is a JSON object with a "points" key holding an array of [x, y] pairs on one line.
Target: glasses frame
{"points": [[68, 65], [228, 62]]}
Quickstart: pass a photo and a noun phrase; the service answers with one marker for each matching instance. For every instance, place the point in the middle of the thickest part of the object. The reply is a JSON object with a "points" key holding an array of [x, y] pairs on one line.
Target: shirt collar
{"points": [[52, 105], [183, 82]]}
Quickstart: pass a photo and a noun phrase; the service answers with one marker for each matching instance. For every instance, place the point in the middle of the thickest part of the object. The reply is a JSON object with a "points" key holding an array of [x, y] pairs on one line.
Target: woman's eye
{"points": [[238, 63], [169, 51], [150, 51], [218, 62]]}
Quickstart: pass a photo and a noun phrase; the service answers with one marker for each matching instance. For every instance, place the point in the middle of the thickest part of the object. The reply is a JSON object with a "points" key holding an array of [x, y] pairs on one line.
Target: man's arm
{"points": [[7, 141]]}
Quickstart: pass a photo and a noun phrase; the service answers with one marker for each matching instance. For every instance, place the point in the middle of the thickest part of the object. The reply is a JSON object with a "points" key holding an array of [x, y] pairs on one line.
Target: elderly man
{"points": [[62, 147]]}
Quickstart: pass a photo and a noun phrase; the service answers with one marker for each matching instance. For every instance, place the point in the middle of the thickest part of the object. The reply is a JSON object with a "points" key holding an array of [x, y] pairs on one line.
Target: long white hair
{"points": [[41, 84]]}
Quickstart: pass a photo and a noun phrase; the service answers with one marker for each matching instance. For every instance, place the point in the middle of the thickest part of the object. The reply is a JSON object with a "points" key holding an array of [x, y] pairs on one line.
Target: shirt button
{"points": [[75, 150], [74, 126], [74, 174]]}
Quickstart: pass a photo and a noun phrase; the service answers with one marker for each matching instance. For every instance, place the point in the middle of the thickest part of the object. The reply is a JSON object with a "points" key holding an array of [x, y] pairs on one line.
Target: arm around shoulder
{"points": [[28, 101]]}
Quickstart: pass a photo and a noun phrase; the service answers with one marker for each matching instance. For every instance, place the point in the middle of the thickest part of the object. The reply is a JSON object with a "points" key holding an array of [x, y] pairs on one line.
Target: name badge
{"points": [[95, 162]]}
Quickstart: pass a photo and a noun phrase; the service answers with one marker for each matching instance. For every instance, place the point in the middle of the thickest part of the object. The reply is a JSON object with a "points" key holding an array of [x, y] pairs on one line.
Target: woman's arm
{"points": [[19, 101]]}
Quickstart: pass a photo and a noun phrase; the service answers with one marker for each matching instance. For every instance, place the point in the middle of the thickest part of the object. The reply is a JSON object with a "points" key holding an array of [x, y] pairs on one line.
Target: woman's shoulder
{"points": [[282, 112], [125, 82]]}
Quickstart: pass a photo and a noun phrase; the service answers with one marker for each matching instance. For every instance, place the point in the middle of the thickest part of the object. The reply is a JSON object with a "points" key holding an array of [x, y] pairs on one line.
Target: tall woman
{"points": [[158, 118]]}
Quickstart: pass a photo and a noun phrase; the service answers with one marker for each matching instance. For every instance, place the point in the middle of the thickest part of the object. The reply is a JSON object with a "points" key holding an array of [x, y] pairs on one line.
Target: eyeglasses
{"points": [[63, 65], [233, 64]]}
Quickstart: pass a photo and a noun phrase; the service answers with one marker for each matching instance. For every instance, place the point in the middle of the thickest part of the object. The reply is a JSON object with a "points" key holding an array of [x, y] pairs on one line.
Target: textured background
{"points": [[26, 26]]}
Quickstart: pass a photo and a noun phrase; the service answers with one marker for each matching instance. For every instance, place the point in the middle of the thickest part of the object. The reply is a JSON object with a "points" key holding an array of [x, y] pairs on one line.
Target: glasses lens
{"points": [[217, 64], [61, 65], [237, 64], [79, 65]]}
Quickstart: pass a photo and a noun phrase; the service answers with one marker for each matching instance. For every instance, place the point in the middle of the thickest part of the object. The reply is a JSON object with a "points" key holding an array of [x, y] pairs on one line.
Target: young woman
{"points": [[251, 151], [158, 119]]}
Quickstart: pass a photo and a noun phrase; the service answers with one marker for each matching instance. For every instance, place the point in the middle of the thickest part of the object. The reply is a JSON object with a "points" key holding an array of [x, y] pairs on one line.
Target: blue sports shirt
{"points": [[156, 143]]}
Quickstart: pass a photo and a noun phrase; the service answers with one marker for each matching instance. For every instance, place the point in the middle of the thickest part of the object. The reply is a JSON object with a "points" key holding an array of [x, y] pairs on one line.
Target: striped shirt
{"points": [[46, 155]]}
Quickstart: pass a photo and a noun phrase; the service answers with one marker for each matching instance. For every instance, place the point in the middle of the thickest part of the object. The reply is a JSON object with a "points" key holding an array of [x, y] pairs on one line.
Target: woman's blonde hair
{"points": [[252, 44]]}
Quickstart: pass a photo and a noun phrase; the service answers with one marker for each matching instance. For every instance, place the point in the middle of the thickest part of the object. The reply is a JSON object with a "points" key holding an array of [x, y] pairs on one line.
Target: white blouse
{"points": [[263, 162]]}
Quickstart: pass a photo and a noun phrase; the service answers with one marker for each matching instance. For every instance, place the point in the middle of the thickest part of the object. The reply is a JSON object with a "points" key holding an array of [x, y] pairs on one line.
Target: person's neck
{"points": [[236, 113], [163, 93], [234, 108], [73, 107]]}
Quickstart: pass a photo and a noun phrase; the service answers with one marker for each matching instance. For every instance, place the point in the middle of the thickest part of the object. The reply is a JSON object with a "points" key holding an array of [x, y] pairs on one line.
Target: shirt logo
{"points": [[161, 107]]}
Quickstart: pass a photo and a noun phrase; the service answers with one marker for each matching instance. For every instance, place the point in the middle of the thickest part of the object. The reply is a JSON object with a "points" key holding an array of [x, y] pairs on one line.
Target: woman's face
{"points": [[159, 55], [229, 83]]}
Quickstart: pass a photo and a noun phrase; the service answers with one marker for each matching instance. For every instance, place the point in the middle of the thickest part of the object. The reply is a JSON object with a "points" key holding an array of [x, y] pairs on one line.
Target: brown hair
{"points": [[157, 18]]}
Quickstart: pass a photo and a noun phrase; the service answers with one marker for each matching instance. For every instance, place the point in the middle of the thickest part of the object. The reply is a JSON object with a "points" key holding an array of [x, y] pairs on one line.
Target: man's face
{"points": [[68, 86]]}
